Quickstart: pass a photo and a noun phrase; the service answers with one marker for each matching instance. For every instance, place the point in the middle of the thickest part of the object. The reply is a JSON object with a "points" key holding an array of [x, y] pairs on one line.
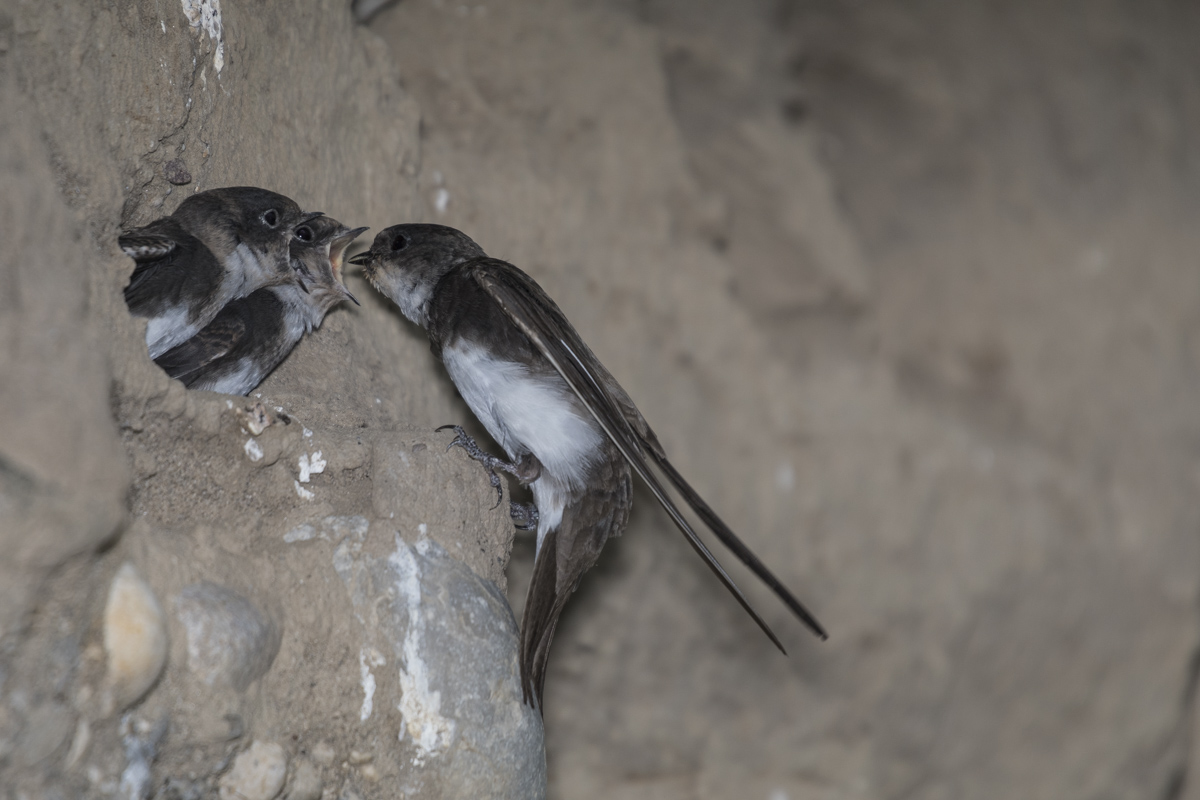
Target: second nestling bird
{"points": [[251, 336], [570, 430]]}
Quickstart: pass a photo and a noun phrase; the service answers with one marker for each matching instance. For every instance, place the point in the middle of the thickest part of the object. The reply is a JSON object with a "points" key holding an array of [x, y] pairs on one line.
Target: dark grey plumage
{"points": [[219, 245], [250, 336], [572, 433]]}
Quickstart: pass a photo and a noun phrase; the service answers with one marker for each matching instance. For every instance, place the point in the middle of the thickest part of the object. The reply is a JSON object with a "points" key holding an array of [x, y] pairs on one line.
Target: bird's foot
{"points": [[527, 470], [524, 515], [490, 462]]}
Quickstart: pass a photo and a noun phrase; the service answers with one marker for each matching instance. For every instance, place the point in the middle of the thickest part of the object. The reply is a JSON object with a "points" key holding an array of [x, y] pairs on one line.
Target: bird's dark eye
{"points": [[304, 233], [399, 243], [270, 218]]}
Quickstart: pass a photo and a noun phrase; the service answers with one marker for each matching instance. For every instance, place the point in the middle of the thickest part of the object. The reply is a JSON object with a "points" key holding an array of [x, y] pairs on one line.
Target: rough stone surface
{"points": [[229, 641], [439, 657], [908, 291], [199, 492], [258, 773]]}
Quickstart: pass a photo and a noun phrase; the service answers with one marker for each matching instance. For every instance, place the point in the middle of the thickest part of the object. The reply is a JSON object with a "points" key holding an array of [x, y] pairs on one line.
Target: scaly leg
{"points": [[524, 516], [527, 470]]}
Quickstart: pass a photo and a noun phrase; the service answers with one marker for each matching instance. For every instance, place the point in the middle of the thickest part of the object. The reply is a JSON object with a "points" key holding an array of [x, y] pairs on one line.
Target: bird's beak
{"points": [[337, 249], [338, 245], [344, 240], [362, 259]]}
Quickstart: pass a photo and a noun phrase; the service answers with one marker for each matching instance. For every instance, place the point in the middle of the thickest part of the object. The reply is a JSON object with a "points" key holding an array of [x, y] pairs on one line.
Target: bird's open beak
{"points": [[337, 249]]}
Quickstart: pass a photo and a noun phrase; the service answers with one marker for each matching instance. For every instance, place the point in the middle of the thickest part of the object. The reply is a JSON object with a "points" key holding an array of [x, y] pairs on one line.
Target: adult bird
{"points": [[572, 434]]}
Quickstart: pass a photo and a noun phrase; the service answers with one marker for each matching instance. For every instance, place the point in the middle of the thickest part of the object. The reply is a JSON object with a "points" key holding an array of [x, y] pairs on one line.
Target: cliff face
{"points": [[909, 296], [298, 565]]}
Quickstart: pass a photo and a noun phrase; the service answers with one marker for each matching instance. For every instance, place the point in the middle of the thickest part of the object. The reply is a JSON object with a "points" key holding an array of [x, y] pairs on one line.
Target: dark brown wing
{"points": [[214, 341], [148, 248], [540, 319]]}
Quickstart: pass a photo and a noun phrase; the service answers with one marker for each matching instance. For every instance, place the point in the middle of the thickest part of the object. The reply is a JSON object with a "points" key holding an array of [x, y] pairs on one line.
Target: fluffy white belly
{"points": [[525, 413], [169, 329]]}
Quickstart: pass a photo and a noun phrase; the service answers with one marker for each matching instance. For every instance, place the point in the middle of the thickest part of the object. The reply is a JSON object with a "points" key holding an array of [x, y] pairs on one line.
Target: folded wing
{"points": [[214, 341], [540, 319]]}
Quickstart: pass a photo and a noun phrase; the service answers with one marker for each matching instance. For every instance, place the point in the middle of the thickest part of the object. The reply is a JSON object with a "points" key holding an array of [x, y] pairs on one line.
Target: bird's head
{"points": [[317, 249], [406, 262]]}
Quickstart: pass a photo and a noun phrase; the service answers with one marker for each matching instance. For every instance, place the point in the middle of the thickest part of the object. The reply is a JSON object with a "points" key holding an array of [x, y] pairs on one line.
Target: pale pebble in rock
{"points": [[135, 639], [229, 641], [306, 783], [257, 773], [323, 753]]}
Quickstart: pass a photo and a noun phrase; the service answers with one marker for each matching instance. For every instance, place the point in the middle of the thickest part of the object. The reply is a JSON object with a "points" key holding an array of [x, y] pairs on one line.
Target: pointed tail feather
{"points": [[736, 545], [538, 622]]}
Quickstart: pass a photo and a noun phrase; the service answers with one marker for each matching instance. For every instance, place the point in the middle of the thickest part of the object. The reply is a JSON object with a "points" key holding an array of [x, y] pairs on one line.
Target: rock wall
{"points": [[909, 294], [296, 593]]}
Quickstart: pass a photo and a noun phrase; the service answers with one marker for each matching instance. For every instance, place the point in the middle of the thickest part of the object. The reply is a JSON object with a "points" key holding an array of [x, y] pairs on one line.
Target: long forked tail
{"points": [[538, 622], [736, 545]]}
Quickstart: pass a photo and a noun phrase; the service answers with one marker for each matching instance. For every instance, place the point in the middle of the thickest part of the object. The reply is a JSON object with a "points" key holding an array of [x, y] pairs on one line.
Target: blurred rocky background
{"points": [[909, 291]]}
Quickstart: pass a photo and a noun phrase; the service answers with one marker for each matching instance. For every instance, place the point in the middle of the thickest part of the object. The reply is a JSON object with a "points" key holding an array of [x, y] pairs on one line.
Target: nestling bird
{"points": [[219, 245], [570, 431], [252, 335]]}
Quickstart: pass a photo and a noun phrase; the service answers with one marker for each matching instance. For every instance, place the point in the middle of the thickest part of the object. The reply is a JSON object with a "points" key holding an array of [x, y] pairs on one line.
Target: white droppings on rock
{"points": [[420, 706], [300, 533], [135, 638], [253, 450], [307, 433], [206, 15], [368, 686], [311, 465], [304, 493], [255, 418], [423, 529], [257, 773]]}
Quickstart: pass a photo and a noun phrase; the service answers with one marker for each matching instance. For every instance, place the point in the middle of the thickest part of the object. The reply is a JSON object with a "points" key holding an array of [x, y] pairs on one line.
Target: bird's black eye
{"points": [[399, 243], [303, 233], [270, 218]]}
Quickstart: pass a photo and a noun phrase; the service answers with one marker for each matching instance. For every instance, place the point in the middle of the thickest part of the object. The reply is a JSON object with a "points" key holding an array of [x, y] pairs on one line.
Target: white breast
{"points": [[169, 329], [528, 413]]}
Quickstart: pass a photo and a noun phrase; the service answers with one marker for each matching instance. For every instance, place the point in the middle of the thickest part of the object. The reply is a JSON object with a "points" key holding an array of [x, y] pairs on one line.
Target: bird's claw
{"points": [[524, 515], [490, 462]]}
